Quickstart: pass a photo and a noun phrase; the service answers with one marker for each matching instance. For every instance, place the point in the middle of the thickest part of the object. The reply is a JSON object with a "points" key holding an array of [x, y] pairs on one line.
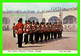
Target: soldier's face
{"points": [[28, 22], [21, 21]]}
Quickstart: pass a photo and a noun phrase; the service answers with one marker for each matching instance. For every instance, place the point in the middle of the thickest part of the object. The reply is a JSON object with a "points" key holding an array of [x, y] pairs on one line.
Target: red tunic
{"points": [[27, 28], [52, 29], [49, 28], [37, 28], [19, 28], [41, 28], [61, 27], [13, 28], [45, 28], [32, 28]]}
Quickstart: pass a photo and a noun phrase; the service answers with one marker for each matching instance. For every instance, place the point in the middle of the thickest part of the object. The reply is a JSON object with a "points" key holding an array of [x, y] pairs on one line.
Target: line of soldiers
{"points": [[38, 30]]}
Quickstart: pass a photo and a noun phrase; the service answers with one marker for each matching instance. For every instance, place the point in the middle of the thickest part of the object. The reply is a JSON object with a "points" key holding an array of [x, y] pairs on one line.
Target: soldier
{"points": [[58, 31], [45, 31], [49, 28], [29, 27], [13, 30], [61, 29], [37, 32], [41, 31], [52, 31], [26, 29], [16, 33], [55, 28], [19, 27], [32, 31], [33, 28]]}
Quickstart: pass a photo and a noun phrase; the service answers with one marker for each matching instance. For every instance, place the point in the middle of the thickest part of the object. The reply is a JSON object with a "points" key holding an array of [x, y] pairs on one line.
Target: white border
{"points": [[41, 51]]}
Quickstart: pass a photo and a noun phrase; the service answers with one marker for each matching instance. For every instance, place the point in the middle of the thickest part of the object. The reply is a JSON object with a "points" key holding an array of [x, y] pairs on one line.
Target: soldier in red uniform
{"points": [[32, 31], [13, 30], [60, 29], [37, 32], [55, 28], [29, 28], [16, 33], [52, 30], [26, 29], [19, 27], [41, 32], [46, 31], [49, 28]]}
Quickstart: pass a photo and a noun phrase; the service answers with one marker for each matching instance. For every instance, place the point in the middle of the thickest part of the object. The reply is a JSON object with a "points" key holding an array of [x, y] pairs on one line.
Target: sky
{"points": [[35, 6]]}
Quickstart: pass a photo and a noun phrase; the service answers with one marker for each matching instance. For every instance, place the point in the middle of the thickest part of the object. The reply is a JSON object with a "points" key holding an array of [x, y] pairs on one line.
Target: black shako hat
{"points": [[20, 19]]}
